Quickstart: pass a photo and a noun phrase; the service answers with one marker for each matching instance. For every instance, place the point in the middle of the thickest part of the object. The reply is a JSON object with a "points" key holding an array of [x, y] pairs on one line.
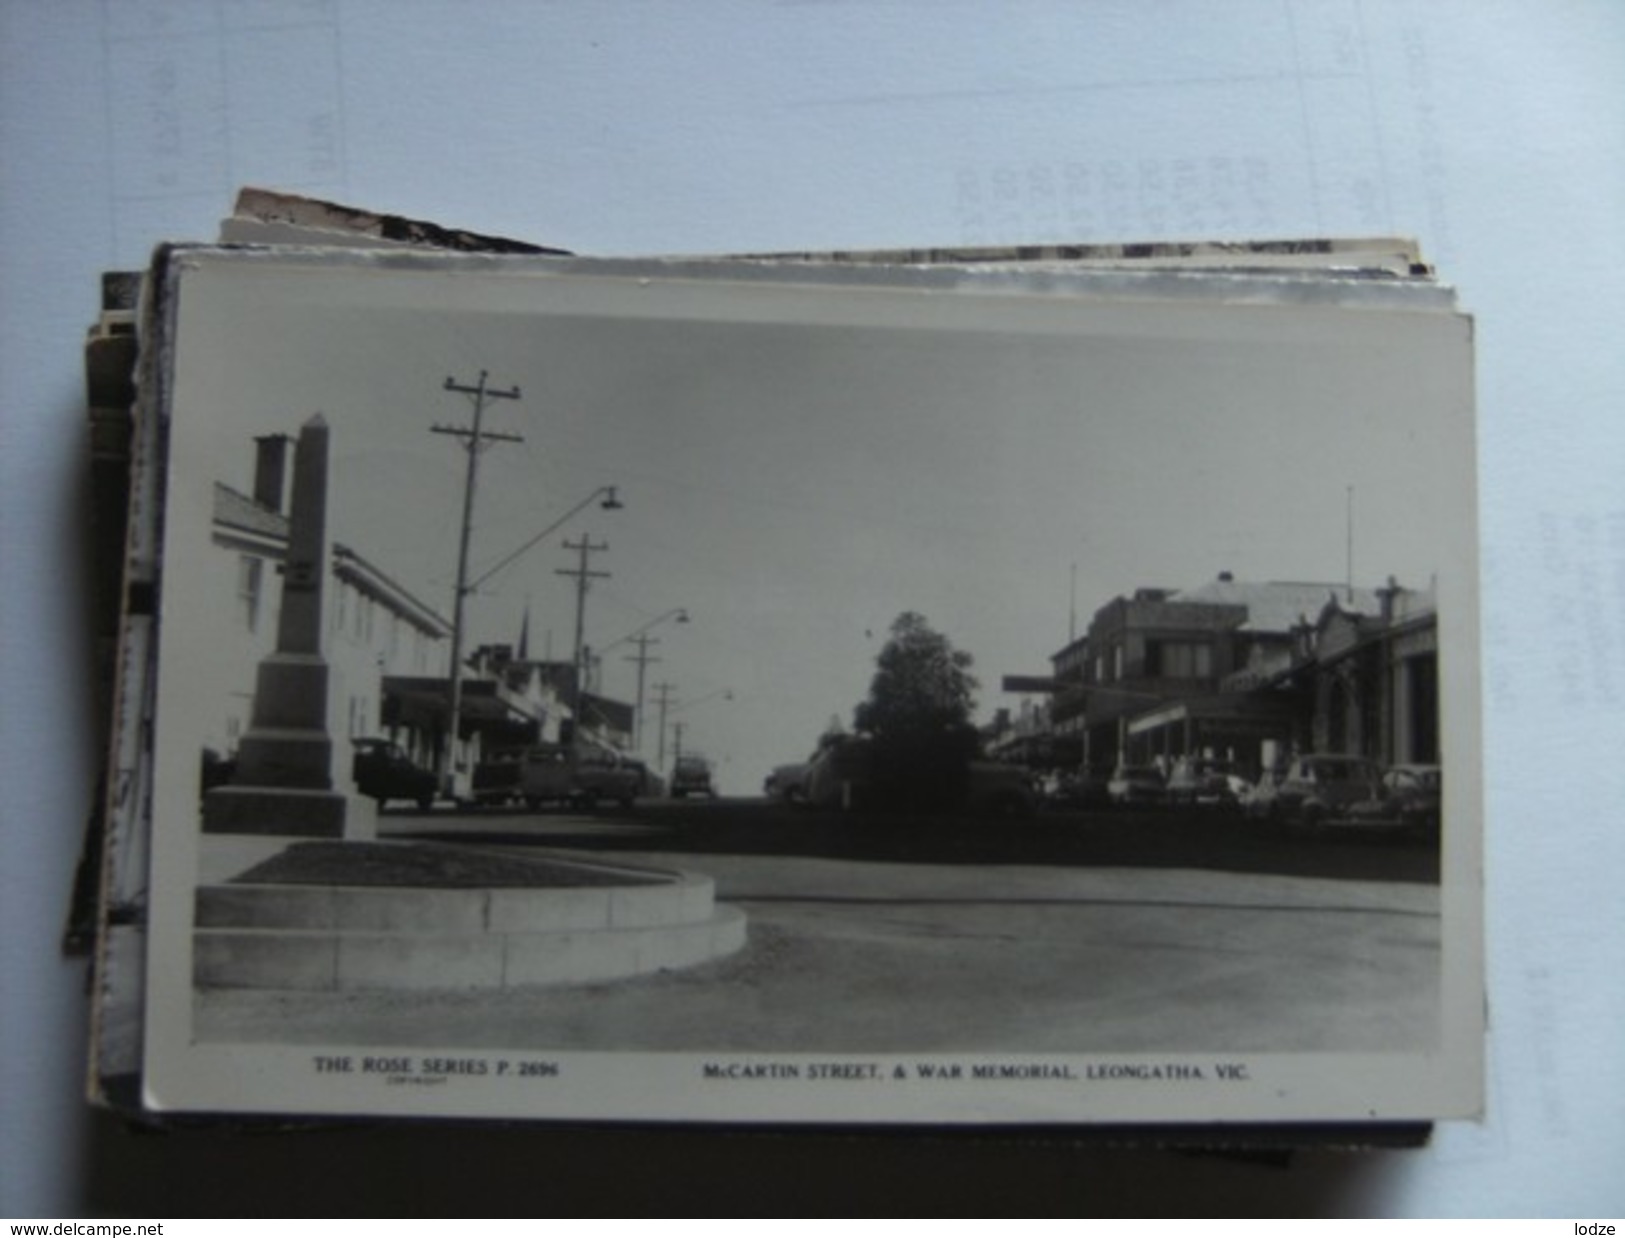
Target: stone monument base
{"points": [[288, 811]]}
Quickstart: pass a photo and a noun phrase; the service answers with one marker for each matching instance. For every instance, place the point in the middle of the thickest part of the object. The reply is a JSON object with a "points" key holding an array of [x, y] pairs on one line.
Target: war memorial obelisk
{"points": [[283, 783]]}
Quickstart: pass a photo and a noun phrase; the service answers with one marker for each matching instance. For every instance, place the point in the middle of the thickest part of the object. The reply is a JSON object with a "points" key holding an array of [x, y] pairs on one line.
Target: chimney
{"points": [[271, 470], [1386, 597]]}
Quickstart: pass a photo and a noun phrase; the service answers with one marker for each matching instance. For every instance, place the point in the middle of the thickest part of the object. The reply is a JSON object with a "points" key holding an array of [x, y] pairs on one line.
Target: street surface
{"points": [[953, 949], [1138, 838]]}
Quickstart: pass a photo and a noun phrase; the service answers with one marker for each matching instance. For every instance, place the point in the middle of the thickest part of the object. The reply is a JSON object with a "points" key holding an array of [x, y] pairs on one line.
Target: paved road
{"points": [[1189, 838], [859, 956]]}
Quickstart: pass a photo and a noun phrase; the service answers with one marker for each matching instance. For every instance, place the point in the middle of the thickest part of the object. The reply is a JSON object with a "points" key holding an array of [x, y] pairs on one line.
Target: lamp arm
{"points": [[637, 632], [507, 559]]}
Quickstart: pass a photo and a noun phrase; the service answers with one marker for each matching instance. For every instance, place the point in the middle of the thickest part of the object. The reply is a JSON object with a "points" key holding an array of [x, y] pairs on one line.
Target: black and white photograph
{"points": [[790, 692]]}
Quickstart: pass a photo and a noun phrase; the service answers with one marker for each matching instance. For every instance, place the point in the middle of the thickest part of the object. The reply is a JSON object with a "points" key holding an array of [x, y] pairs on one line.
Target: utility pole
{"points": [[474, 440], [643, 657], [587, 547], [1072, 620], [677, 741], [1348, 573], [663, 693]]}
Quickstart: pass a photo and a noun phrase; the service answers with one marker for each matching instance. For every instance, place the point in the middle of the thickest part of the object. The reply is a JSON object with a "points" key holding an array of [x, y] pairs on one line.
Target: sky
{"points": [[798, 466]]}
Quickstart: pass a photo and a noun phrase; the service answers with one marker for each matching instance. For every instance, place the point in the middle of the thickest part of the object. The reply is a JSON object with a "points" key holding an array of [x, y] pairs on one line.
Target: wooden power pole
{"points": [[583, 576], [474, 439]]}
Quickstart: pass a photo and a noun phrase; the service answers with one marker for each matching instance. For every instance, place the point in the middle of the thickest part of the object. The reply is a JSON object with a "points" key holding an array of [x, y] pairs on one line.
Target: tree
{"points": [[922, 684], [918, 715]]}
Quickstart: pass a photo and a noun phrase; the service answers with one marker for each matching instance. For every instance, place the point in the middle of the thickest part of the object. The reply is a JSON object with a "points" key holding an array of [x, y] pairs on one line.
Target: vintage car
{"points": [[1409, 797], [651, 785], [383, 772], [1258, 801], [1132, 786], [580, 775], [1072, 789], [845, 775], [840, 774], [499, 778], [1003, 790], [788, 783], [691, 775], [603, 774], [1322, 788], [1206, 782]]}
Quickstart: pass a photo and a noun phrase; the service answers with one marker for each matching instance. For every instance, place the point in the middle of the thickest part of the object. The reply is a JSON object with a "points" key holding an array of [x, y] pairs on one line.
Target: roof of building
{"points": [[233, 508], [368, 577], [1279, 605]]}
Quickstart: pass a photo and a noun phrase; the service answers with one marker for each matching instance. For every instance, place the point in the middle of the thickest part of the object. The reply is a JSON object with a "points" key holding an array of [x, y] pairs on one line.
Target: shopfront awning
{"points": [[424, 704], [1239, 716]]}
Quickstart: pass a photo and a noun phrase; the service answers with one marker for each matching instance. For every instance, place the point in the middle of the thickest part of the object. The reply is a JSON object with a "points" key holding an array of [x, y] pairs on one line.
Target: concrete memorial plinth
{"points": [[309, 927], [283, 781]]}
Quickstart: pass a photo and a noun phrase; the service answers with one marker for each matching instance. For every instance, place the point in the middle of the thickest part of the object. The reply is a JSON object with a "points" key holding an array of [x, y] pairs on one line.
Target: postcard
{"points": [[799, 692]]}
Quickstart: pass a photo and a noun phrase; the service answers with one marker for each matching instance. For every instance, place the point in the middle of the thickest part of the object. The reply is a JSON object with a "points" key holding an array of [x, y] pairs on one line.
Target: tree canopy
{"points": [[922, 685]]}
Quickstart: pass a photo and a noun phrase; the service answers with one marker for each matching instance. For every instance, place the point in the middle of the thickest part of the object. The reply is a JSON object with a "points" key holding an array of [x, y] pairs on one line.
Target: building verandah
{"points": [[1248, 731], [1240, 672], [1374, 681]]}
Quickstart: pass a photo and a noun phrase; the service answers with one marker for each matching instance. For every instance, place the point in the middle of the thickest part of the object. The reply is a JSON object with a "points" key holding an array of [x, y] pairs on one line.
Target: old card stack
{"points": [[1022, 688]]}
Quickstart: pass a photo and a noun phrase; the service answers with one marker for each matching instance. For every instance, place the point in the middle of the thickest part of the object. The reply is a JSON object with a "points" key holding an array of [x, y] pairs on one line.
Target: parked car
{"points": [[1133, 785], [1077, 789], [545, 775], [1206, 782], [1409, 797], [603, 774], [788, 782], [841, 774], [580, 775], [844, 775], [1003, 790], [651, 785], [499, 778], [1322, 788], [691, 776], [383, 772], [1258, 802]]}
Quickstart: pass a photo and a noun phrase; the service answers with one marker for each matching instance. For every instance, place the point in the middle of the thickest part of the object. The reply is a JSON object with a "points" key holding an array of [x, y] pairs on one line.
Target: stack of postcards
{"points": [[995, 688]]}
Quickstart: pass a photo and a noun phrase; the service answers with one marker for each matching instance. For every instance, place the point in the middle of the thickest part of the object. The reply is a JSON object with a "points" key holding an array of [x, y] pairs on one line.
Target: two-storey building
{"points": [[1163, 673]]}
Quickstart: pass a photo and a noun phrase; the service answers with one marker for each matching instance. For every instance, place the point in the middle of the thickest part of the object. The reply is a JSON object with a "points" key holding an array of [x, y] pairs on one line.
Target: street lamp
{"points": [[677, 613], [726, 694], [610, 502], [642, 658]]}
